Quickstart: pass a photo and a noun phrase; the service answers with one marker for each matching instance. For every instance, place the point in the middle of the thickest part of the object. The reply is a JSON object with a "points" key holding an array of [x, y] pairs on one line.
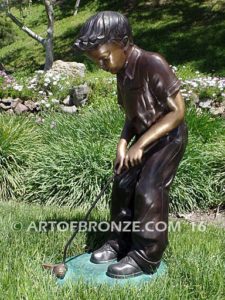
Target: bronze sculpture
{"points": [[148, 92]]}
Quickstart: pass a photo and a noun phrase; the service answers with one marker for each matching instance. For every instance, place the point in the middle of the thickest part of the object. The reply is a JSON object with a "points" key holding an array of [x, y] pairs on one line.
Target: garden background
{"points": [[53, 164]]}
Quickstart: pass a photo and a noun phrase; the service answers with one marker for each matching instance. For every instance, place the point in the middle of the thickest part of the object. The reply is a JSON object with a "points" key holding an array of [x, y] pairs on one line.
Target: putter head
{"points": [[59, 270]]}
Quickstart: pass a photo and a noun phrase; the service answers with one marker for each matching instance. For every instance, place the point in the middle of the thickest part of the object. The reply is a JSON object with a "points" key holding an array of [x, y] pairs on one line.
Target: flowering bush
{"points": [[205, 87], [49, 89], [46, 89]]}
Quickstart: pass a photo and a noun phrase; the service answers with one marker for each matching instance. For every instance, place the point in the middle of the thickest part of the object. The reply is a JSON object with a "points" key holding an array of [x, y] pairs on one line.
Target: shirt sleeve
{"points": [[163, 81], [119, 97]]}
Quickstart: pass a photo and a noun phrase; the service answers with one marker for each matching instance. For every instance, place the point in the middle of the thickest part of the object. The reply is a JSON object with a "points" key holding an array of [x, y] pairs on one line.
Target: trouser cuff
{"points": [[146, 265]]}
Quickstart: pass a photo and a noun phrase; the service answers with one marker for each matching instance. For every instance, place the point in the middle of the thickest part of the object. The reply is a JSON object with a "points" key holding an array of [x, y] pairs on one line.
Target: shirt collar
{"points": [[131, 62]]}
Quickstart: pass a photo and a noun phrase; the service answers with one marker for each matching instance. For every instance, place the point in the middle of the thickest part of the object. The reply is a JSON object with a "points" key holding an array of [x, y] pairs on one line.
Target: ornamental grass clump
{"points": [[19, 143], [78, 158]]}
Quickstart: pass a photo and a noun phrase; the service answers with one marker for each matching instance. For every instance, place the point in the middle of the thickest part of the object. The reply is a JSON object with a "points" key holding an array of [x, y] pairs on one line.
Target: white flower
{"points": [[55, 101], [33, 80], [39, 72], [43, 101], [47, 80], [18, 87], [47, 105]]}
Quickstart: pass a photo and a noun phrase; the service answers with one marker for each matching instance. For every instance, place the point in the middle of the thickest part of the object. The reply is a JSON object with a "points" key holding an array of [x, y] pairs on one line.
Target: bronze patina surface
{"points": [[149, 94]]}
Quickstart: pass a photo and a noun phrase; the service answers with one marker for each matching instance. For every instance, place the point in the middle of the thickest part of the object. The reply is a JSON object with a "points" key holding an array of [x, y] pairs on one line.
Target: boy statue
{"points": [[148, 92]]}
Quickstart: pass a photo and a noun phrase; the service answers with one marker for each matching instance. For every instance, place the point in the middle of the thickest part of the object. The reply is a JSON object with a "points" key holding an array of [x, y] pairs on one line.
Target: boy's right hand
{"points": [[120, 158]]}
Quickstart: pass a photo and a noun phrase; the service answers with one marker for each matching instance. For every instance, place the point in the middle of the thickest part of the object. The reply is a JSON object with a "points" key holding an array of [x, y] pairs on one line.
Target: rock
{"points": [[68, 109], [10, 111], [30, 105], [216, 111], [20, 108], [4, 107], [195, 98], [6, 101], [217, 104], [68, 101], [15, 102], [79, 94], [205, 104], [68, 69]]}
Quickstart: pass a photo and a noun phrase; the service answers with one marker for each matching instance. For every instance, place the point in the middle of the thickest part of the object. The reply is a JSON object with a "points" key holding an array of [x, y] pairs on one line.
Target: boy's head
{"points": [[105, 38]]}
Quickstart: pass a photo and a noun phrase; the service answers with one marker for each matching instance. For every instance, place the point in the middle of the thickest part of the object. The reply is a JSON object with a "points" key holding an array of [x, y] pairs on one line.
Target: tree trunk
{"points": [[49, 58], [50, 32], [47, 42]]}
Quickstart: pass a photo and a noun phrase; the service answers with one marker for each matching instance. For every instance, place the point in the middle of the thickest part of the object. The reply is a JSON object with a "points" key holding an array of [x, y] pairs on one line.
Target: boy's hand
{"points": [[133, 156], [120, 158]]}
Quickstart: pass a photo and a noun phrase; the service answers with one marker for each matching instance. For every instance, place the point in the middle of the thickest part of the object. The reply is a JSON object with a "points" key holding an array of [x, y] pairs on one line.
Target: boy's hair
{"points": [[105, 26]]}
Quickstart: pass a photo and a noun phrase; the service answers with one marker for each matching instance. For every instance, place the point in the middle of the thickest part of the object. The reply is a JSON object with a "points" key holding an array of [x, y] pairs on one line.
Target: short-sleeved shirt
{"points": [[143, 87]]}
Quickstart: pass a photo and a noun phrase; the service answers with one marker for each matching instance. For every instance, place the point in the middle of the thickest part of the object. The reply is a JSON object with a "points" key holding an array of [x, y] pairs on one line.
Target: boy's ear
{"points": [[126, 42]]}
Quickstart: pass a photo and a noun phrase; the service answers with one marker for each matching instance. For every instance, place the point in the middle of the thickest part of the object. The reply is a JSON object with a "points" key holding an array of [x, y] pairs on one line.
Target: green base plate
{"points": [[81, 268]]}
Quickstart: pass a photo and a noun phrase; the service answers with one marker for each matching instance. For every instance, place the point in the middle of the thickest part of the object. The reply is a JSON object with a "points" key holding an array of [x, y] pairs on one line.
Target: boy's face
{"points": [[111, 56]]}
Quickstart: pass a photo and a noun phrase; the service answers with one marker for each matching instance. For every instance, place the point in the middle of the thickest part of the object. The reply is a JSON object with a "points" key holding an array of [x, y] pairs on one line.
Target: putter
{"points": [[59, 270]]}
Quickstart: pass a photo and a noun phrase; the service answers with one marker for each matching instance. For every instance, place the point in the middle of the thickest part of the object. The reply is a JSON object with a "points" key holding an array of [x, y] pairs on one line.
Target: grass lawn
{"points": [[195, 259]]}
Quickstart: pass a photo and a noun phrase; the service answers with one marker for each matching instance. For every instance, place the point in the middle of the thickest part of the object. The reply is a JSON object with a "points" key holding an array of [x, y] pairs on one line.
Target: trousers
{"points": [[142, 194]]}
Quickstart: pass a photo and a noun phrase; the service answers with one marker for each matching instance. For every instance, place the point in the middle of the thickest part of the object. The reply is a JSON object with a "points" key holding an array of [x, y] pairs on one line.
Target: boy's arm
{"points": [[125, 137], [127, 132], [163, 126]]}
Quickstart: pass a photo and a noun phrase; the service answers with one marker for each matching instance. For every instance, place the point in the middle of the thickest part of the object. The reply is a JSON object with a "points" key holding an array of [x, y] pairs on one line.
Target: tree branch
{"points": [[76, 7], [25, 29], [50, 16]]}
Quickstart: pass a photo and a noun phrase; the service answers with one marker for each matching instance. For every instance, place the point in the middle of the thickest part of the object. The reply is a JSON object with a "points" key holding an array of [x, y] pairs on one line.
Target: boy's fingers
{"points": [[119, 168], [126, 162], [132, 162]]}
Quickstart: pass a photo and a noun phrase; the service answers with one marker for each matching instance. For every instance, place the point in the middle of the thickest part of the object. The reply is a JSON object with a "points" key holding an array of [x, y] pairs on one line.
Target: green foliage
{"points": [[19, 141], [6, 31]]}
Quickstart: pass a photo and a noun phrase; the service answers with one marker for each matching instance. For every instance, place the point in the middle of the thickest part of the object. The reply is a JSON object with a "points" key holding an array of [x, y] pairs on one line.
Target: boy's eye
{"points": [[104, 59]]}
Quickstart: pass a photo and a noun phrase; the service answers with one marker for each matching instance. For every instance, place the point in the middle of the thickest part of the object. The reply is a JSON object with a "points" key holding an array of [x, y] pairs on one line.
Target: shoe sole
{"points": [[123, 276], [102, 262]]}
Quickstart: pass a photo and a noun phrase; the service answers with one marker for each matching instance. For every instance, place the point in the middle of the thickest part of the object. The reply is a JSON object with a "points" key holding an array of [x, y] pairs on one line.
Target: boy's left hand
{"points": [[133, 156]]}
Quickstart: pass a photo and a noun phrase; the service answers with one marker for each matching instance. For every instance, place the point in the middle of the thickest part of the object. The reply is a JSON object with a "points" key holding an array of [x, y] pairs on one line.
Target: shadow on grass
{"points": [[184, 31], [93, 239]]}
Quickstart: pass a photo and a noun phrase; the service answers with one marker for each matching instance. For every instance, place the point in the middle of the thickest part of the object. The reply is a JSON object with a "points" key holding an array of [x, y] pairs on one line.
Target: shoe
{"points": [[104, 254], [125, 268]]}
